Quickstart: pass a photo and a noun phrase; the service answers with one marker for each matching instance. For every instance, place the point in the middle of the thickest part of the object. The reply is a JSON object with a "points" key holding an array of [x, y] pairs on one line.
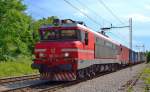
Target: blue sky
{"points": [[124, 9]]}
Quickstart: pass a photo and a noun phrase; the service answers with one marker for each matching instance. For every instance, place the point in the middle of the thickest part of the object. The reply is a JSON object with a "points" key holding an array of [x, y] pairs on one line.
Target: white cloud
{"points": [[79, 14], [139, 17], [147, 7]]}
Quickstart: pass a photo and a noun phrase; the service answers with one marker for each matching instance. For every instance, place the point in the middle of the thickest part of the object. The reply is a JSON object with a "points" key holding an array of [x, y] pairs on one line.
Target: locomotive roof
{"points": [[63, 25]]}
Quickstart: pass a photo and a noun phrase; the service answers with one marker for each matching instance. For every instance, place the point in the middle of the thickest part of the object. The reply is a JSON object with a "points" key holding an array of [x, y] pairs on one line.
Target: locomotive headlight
{"points": [[66, 54], [41, 55]]}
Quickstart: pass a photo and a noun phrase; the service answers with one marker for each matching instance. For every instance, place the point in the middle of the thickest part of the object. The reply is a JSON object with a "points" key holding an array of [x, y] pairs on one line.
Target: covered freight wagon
{"points": [[133, 57], [141, 57]]}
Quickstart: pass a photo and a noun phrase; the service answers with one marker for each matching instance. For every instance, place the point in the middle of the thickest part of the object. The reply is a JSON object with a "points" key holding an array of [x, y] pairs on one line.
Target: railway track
{"points": [[19, 83], [19, 78], [46, 86], [25, 88]]}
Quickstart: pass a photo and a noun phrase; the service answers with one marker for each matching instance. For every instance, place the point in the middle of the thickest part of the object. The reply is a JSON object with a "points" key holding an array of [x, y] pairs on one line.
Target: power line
{"points": [[82, 4], [101, 2], [41, 8], [123, 36], [119, 37], [109, 28], [107, 8], [82, 12], [85, 14], [119, 32]]}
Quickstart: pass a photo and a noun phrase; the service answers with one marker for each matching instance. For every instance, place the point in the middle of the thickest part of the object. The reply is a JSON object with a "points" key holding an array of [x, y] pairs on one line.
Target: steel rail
{"points": [[18, 78]]}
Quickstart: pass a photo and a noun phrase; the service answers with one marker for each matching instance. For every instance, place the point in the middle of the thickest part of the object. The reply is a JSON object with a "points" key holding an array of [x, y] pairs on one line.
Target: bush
{"points": [[148, 57]]}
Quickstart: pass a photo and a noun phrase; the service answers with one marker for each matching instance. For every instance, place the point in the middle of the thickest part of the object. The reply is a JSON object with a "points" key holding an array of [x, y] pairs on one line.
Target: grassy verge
{"points": [[145, 81], [21, 66], [146, 78]]}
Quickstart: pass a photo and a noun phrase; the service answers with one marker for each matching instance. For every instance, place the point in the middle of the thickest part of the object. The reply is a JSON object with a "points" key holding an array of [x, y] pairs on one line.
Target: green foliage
{"points": [[7, 5], [17, 29], [14, 32], [18, 68], [146, 77], [148, 56]]}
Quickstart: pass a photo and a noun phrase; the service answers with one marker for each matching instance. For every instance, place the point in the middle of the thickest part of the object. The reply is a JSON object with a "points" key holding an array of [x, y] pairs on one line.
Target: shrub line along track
{"points": [[55, 86], [19, 78]]}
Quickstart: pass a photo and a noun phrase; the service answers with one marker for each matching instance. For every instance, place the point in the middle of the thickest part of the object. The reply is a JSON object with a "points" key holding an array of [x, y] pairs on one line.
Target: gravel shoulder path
{"points": [[141, 85]]}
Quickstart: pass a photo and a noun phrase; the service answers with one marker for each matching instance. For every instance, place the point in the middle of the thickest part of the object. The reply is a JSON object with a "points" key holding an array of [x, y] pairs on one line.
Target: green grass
{"points": [[130, 89], [146, 77], [21, 66]]}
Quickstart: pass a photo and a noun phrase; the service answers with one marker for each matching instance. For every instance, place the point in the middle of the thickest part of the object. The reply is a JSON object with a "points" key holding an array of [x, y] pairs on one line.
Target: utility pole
{"points": [[130, 33]]}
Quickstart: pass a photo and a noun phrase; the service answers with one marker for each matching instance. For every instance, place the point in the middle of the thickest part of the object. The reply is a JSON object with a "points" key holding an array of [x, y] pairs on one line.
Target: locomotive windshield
{"points": [[60, 35]]}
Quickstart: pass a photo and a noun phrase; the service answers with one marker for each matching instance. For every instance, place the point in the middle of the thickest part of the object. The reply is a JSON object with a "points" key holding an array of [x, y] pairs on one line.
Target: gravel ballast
{"points": [[113, 82]]}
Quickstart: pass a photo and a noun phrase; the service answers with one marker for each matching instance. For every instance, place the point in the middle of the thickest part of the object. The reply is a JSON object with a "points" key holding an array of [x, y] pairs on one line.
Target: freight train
{"points": [[69, 50]]}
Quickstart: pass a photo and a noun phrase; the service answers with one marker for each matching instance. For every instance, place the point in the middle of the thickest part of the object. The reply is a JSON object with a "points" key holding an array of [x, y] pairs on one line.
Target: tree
{"points": [[148, 57], [17, 29], [15, 35]]}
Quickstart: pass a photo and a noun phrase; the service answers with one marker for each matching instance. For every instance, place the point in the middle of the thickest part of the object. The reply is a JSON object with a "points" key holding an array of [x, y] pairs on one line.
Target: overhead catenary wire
{"points": [[123, 36], [115, 16], [119, 37], [82, 4], [111, 12], [41, 8], [73, 6]]}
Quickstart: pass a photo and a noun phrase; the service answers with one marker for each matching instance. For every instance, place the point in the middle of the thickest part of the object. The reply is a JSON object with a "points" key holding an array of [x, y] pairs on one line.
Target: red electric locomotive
{"points": [[70, 51]]}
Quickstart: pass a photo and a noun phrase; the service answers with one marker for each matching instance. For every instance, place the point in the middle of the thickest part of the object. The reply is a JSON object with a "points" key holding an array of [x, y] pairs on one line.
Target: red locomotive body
{"points": [[71, 50], [124, 55]]}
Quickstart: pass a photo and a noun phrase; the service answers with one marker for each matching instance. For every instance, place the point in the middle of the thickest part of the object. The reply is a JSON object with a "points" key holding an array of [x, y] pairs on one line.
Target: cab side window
{"points": [[86, 38]]}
